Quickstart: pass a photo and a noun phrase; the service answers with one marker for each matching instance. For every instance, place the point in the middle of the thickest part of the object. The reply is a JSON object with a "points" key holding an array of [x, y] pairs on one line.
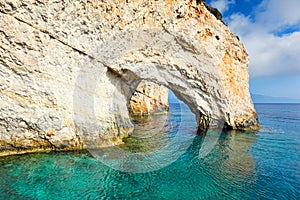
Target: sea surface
{"points": [[237, 165]]}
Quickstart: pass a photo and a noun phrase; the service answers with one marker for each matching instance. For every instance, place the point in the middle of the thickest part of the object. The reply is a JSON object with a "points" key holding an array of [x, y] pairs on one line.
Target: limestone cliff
{"points": [[69, 68], [149, 98]]}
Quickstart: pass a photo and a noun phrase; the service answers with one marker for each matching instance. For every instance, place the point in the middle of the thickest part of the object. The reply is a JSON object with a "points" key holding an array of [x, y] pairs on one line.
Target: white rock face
{"points": [[68, 69]]}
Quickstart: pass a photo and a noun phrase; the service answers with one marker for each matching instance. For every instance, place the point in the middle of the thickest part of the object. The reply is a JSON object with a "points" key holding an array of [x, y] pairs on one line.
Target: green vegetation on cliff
{"points": [[213, 10]]}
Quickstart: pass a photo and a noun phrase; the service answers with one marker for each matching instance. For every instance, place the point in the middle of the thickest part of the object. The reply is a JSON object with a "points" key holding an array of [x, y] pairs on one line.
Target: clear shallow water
{"points": [[242, 165]]}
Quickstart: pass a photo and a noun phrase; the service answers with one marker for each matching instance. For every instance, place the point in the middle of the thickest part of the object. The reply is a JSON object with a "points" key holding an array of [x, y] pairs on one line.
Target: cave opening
{"points": [[157, 116]]}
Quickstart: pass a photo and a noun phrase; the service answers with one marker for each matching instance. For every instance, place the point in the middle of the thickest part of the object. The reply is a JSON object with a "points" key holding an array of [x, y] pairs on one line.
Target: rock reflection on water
{"points": [[239, 160], [150, 134], [233, 163]]}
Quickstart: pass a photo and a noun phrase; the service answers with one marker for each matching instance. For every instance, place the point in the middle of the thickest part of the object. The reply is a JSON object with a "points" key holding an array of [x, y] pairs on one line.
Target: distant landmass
{"points": [[258, 98]]}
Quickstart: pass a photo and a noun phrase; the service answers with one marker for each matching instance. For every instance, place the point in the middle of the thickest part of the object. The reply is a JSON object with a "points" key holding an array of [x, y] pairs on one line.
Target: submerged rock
{"points": [[69, 68]]}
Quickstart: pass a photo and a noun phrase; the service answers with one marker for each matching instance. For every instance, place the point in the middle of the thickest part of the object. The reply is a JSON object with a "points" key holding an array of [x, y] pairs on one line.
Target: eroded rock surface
{"points": [[149, 98], [68, 69]]}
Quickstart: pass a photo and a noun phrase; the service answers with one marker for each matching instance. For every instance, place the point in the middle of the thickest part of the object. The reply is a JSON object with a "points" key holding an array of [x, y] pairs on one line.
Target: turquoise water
{"points": [[242, 165]]}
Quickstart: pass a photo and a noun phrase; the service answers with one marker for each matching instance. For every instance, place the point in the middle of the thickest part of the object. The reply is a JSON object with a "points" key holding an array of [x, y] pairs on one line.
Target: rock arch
{"points": [[68, 63]]}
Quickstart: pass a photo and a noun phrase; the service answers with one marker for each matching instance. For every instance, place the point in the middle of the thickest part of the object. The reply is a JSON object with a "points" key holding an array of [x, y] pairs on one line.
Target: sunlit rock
{"points": [[149, 98], [69, 68]]}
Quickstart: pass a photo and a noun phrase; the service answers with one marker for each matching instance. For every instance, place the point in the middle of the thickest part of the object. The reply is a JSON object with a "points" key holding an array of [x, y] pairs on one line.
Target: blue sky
{"points": [[270, 31]]}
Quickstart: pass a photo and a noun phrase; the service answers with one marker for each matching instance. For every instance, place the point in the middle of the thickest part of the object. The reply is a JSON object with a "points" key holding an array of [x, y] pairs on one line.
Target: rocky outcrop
{"points": [[149, 98], [69, 68]]}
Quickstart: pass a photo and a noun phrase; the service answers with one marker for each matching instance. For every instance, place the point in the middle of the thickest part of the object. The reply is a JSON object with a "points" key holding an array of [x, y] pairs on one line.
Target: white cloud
{"points": [[270, 53], [276, 14], [222, 5], [273, 55]]}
